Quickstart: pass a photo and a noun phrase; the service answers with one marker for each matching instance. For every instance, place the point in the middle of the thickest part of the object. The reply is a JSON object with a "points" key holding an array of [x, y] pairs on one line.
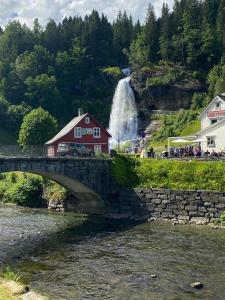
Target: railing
{"points": [[17, 151]]}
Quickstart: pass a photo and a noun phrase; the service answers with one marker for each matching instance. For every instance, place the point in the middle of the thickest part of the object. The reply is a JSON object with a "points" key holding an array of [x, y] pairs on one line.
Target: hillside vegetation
{"points": [[178, 175], [76, 63]]}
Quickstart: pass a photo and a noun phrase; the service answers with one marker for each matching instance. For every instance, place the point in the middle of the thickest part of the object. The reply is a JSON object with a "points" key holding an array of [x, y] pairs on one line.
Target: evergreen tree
{"points": [[151, 34], [192, 34], [165, 33], [122, 37], [220, 25]]}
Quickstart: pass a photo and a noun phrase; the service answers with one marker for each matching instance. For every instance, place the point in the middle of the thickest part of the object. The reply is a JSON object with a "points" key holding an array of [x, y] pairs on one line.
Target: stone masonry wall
{"points": [[184, 206]]}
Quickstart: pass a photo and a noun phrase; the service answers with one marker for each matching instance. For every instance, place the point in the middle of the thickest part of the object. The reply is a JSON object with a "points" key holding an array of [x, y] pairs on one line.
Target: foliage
{"points": [[171, 77], [37, 128], [8, 274], [181, 175], [124, 171], [173, 125], [222, 219], [113, 71], [59, 67], [153, 173], [138, 53], [216, 79], [54, 192], [25, 192]]}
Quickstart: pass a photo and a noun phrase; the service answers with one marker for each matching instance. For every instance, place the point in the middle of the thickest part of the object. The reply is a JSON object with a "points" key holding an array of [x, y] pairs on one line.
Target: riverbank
{"points": [[10, 290]]}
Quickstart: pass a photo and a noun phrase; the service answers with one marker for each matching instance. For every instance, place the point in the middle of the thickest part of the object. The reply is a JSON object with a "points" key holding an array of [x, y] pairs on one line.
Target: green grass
{"points": [[8, 274], [191, 128]]}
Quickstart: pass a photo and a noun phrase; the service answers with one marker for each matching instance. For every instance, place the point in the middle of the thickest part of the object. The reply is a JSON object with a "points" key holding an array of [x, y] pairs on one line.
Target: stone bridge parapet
{"points": [[89, 180]]}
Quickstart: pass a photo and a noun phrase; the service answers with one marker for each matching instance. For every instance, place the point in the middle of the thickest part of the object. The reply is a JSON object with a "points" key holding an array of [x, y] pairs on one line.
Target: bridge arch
{"points": [[87, 179]]}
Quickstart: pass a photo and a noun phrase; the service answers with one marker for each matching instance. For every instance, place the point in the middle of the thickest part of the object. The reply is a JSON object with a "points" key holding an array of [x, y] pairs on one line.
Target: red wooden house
{"points": [[83, 130]]}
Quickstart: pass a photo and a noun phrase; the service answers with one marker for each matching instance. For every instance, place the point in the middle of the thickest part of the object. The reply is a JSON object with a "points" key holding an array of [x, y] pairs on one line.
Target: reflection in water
{"points": [[67, 257]]}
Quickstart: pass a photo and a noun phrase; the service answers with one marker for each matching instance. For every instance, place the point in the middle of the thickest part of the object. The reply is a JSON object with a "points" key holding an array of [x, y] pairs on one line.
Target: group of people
{"points": [[175, 152], [190, 151], [185, 151]]}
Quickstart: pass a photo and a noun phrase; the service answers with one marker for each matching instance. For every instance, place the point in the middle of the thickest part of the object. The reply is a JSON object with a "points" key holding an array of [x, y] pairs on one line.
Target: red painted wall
{"points": [[88, 140]]}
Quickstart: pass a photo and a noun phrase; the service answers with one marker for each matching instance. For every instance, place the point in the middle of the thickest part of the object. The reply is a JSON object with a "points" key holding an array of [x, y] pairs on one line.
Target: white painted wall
{"points": [[219, 134]]}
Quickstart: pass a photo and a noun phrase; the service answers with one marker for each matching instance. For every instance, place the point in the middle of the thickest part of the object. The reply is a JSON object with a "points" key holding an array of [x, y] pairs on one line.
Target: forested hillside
{"points": [[61, 67]]}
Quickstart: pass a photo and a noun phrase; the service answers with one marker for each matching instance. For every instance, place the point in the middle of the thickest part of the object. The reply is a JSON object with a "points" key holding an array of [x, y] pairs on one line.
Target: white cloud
{"points": [[27, 10]]}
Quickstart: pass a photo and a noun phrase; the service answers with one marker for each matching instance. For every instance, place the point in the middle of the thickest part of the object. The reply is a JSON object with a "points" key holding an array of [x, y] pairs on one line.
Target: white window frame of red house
{"points": [[97, 130], [76, 130], [87, 120], [98, 148]]}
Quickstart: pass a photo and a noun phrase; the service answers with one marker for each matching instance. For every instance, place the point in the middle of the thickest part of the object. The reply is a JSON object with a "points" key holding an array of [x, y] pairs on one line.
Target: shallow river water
{"points": [[70, 257]]}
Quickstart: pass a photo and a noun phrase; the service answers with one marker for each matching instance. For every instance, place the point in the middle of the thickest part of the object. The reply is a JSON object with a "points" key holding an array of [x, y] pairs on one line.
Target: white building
{"points": [[213, 125]]}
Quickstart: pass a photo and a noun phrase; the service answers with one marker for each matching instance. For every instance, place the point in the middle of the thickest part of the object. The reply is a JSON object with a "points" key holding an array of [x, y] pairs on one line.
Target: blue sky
{"points": [[27, 10]]}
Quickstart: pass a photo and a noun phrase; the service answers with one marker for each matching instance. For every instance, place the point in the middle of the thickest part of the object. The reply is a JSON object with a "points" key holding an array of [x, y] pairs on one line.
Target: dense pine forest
{"points": [[75, 63]]}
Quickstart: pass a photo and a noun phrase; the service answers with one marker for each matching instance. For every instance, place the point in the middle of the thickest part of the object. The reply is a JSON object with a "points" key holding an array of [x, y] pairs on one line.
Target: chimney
{"points": [[80, 112]]}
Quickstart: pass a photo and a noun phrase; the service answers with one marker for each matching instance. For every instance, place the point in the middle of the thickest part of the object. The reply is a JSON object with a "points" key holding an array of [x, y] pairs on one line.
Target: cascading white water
{"points": [[123, 123]]}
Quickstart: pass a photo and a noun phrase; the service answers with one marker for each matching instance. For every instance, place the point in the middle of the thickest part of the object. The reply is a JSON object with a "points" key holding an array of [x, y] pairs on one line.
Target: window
{"points": [[213, 121], [97, 148], [78, 132], [217, 105], [87, 120], [96, 132], [211, 141]]}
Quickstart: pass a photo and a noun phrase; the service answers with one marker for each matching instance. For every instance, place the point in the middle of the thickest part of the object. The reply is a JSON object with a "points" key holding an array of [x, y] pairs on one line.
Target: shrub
{"points": [[178, 175], [113, 71], [222, 218], [13, 177], [26, 192], [124, 170], [54, 192]]}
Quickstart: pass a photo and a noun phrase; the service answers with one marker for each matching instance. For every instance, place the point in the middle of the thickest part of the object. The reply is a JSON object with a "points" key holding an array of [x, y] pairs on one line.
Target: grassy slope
{"points": [[191, 129]]}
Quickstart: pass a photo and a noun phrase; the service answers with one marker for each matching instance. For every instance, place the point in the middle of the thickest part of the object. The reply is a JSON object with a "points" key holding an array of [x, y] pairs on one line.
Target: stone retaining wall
{"points": [[183, 206]]}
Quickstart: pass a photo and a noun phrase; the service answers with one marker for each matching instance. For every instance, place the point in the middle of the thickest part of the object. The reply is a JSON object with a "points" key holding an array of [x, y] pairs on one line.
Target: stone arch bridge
{"points": [[89, 180]]}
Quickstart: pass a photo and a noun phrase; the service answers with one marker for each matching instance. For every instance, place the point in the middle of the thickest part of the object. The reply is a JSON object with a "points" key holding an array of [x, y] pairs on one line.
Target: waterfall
{"points": [[123, 123]]}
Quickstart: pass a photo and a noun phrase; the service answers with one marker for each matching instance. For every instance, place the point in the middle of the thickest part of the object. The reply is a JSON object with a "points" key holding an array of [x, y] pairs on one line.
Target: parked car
{"points": [[73, 149]]}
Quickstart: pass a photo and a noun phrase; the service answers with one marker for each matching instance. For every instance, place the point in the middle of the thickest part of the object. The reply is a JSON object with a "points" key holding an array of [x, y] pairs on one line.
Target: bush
{"points": [[54, 192], [174, 124], [222, 219], [124, 170], [37, 128], [26, 192], [178, 175], [115, 72]]}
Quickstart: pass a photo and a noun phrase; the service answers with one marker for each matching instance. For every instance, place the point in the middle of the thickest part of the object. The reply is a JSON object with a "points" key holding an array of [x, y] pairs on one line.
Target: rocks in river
{"points": [[197, 285]]}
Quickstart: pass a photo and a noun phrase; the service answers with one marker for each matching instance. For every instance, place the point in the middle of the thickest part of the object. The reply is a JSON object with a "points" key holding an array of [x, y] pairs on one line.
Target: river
{"points": [[69, 257]]}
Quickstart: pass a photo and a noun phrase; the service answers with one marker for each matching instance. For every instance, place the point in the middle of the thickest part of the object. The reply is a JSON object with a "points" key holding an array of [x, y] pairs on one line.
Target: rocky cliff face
{"points": [[171, 97]]}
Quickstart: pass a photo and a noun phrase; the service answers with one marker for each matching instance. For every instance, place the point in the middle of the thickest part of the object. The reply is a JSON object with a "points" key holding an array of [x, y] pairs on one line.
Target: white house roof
{"points": [[212, 127], [66, 129], [218, 97]]}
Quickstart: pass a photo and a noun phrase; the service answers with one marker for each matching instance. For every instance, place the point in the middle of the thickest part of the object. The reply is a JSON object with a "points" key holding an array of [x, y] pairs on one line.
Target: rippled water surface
{"points": [[69, 257]]}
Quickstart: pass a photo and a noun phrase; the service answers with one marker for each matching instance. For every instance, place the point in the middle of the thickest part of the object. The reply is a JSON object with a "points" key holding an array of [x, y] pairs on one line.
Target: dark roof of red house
{"points": [[74, 122]]}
